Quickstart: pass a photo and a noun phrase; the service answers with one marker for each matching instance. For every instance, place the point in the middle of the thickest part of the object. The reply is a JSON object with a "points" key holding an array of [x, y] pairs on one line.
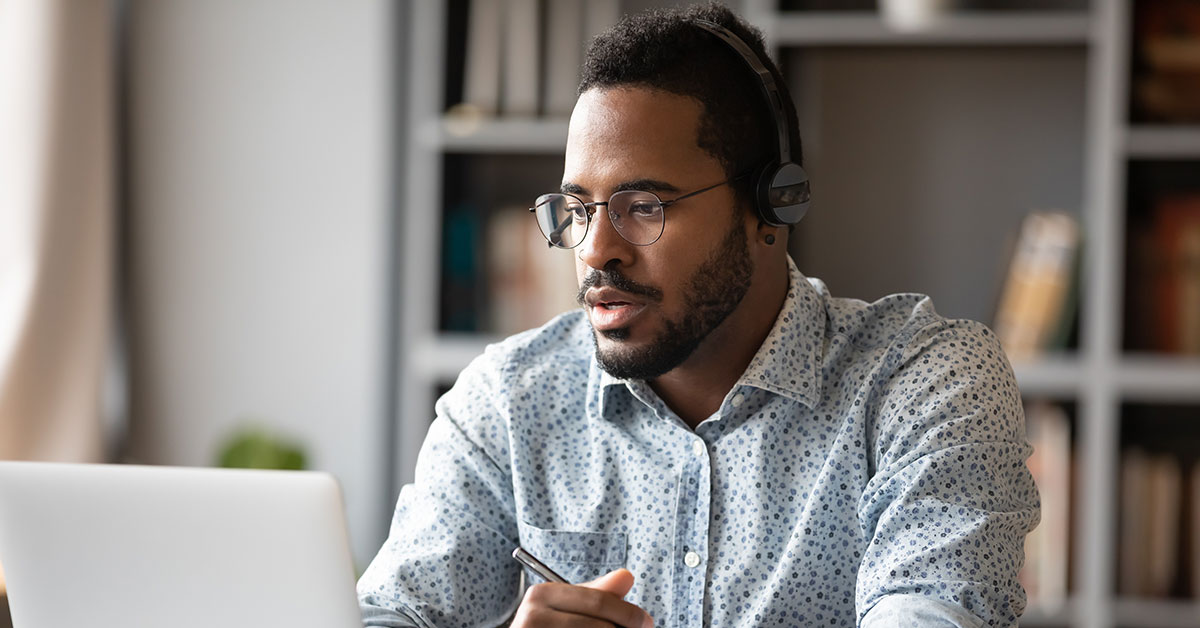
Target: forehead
{"points": [[627, 133]]}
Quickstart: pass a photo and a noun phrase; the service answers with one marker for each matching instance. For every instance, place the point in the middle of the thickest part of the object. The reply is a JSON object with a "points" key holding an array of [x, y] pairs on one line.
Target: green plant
{"points": [[258, 448]]}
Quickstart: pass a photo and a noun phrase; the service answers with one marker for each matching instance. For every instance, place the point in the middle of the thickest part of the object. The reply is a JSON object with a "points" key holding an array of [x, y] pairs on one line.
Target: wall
{"points": [[259, 236], [940, 153]]}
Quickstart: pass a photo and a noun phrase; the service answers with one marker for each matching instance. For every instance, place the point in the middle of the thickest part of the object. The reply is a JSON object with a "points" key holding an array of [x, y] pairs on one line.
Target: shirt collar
{"points": [[788, 361]]}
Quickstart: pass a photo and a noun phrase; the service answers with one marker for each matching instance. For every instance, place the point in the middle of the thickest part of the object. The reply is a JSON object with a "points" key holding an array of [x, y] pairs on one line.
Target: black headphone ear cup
{"points": [[783, 194], [762, 194]]}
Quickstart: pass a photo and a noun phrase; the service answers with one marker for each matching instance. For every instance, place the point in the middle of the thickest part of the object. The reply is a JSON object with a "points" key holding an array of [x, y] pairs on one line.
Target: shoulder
{"points": [[881, 323], [560, 349], [901, 325], [517, 376], [942, 383]]}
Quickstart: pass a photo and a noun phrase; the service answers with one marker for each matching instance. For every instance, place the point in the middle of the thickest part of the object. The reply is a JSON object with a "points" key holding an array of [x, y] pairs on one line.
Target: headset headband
{"points": [[766, 80]]}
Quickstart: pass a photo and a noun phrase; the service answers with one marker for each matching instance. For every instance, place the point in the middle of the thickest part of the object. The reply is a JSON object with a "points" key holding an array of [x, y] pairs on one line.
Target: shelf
{"points": [[1137, 613], [1043, 615], [490, 135], [977, 29], [1050, 376], [1163, 142], [441, 358], [1159, 378]]}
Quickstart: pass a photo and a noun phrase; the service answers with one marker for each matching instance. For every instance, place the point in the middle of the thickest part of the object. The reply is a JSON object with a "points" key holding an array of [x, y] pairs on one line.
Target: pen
{"points": [[527, 559]]}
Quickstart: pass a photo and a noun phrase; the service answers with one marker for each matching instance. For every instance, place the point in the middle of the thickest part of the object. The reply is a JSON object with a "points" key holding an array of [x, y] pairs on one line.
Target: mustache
{"points": [[614, 279]]}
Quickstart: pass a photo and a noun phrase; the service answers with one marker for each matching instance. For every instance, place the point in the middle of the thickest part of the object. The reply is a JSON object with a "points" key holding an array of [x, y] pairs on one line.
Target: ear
{"points": [[769, 235]]}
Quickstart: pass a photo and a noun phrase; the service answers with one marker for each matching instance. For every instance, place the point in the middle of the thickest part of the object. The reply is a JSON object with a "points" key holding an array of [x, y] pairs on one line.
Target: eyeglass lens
{"points": [[564, 219]]}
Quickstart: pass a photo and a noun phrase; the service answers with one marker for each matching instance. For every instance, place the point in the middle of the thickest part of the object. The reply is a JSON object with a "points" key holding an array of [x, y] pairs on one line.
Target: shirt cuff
{"points": [[918, 611]]}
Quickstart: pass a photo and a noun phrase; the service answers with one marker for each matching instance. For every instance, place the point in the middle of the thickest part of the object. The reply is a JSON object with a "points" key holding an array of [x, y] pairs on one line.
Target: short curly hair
{"points": [[662, 49]]}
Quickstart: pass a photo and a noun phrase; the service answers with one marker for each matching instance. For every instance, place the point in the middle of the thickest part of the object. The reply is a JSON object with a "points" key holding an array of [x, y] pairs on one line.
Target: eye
{"points": [[578, 212], [643, 209]]}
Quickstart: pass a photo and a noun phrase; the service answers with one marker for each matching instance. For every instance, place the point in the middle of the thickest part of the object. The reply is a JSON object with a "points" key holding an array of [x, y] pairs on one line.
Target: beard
{"points": [[713, 291]]}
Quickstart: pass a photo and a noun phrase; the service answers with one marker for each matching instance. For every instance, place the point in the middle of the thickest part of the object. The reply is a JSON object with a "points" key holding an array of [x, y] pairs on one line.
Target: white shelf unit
{"points": [[1098, 378], [1159, 142], [1007, 28], [481, 136], [1136, 613]]}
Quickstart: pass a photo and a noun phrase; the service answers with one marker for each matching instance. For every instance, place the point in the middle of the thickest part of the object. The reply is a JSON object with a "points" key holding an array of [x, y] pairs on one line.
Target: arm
{"points": [[951, 500], [447, 558]]}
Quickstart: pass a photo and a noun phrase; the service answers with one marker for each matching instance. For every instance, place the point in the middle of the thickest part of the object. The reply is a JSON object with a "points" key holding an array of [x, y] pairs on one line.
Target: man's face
{"points": [[651, 306]]}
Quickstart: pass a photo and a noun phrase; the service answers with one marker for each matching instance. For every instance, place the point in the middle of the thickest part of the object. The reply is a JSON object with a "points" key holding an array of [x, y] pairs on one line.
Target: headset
{"points": [[782, 194]]}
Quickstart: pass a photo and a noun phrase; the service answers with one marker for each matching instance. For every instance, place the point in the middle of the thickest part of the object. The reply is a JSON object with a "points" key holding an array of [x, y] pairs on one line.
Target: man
{"points": [[714, 440]]}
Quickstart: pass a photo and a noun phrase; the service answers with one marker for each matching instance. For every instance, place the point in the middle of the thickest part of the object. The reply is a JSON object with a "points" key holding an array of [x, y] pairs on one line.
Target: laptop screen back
{"points": [[110, 546]]}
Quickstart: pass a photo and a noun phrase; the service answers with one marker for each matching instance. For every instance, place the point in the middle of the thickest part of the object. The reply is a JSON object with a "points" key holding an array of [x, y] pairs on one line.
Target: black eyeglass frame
{"points": [[591, 211]]}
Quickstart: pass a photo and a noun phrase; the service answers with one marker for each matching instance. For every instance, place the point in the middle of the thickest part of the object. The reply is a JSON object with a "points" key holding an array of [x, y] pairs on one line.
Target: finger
{"points": [[616, 582], [590, 602], [545, 616]]}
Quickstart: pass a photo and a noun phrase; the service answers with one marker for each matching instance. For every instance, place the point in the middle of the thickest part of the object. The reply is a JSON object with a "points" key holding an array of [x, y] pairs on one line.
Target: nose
{"points": [[603, 246]]}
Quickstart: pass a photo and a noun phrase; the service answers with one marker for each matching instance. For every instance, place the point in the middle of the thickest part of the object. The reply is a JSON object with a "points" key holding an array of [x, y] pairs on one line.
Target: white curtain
{"points": [[56, 225]]}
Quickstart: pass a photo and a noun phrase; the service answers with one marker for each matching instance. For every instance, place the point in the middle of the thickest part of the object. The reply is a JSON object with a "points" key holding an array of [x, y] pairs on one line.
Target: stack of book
{"points": [[523, 56], [1164, 281], [1037, 305], [1047, 556], [528, 282], [1160, 526], [1167, 61]]}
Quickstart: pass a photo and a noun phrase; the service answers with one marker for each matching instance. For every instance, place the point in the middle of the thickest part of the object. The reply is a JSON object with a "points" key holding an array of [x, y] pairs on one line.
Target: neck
{"points": [[695, 389]]}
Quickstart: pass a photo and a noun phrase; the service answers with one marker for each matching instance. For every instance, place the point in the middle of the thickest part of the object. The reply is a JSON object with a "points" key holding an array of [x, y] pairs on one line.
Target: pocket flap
{"points": [[569, 546]]}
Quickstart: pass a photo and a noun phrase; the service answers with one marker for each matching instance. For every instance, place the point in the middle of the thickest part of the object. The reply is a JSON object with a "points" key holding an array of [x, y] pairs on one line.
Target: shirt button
{"points": [[691, 559], [698, 448], [737, 400]]}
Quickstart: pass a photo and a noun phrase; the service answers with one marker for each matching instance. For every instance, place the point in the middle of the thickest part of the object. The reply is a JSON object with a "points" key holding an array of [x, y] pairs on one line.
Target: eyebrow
{"points": [[644, 185]]}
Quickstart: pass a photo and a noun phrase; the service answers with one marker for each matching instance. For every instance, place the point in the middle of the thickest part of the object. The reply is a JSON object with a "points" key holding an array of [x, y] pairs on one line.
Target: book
{"points": [[1189, 289], [1151, 491], [461, 239], [1176, 277], [1166, 85], [519, 86], [564, 55], [1193, 523], [1134, 525], [528, 282], [1036, 303], [1046, 571], [1164, 479], [481, 74]]}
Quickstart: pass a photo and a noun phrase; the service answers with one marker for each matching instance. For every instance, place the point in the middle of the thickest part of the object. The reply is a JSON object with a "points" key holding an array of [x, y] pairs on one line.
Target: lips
{"points": [[610, 308]]}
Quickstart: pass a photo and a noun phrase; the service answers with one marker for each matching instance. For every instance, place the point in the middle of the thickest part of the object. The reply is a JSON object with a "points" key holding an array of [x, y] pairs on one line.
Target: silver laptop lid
{"points": [[110, 546]]}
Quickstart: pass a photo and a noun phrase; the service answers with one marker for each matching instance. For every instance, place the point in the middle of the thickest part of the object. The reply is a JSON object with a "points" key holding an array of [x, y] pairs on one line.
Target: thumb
{"points": [[616, 582]]}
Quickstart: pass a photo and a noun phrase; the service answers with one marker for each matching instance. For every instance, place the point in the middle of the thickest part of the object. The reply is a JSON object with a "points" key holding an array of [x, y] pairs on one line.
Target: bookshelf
{"points": [[1009, 28], [1072, 60]]}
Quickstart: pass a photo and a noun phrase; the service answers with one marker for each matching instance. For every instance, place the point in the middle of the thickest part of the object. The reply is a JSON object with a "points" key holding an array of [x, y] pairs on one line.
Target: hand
{"points": [[597, 603]]}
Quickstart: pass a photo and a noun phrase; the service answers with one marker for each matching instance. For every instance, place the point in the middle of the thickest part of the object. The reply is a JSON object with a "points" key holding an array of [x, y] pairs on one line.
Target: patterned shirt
{"points": [[868, 468]]}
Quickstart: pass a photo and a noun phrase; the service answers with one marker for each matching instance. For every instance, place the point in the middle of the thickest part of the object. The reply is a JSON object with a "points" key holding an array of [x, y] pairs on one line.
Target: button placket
{"points": [[691, 544]]}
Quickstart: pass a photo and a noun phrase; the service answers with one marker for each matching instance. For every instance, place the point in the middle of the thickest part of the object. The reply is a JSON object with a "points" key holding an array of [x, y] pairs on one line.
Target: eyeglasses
{"points": [[635, 214]]}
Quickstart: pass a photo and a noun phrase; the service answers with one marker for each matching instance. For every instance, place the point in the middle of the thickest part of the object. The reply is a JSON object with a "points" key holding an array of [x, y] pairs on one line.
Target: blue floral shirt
{"points": [[868, 468]]}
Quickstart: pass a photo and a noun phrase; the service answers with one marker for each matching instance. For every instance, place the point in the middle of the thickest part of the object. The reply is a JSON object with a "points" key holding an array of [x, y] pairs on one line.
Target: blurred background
{"points": [[270, 232]]}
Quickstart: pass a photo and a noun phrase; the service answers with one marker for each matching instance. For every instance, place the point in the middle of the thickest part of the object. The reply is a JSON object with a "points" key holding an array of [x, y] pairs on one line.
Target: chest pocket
{"points": [[576, 556]]}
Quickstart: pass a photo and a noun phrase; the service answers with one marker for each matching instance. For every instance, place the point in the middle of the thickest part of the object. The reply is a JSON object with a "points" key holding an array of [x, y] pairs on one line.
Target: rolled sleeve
{"points": [[951, 501]]}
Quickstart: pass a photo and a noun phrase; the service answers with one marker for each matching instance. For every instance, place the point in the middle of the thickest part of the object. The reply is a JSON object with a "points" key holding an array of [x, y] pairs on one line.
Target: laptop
{"points": [[113, 546]]}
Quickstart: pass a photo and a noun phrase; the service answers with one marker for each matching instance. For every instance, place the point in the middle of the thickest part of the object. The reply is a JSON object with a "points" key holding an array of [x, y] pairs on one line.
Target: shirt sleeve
{"points": [[447, 560], [951, 500]]}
